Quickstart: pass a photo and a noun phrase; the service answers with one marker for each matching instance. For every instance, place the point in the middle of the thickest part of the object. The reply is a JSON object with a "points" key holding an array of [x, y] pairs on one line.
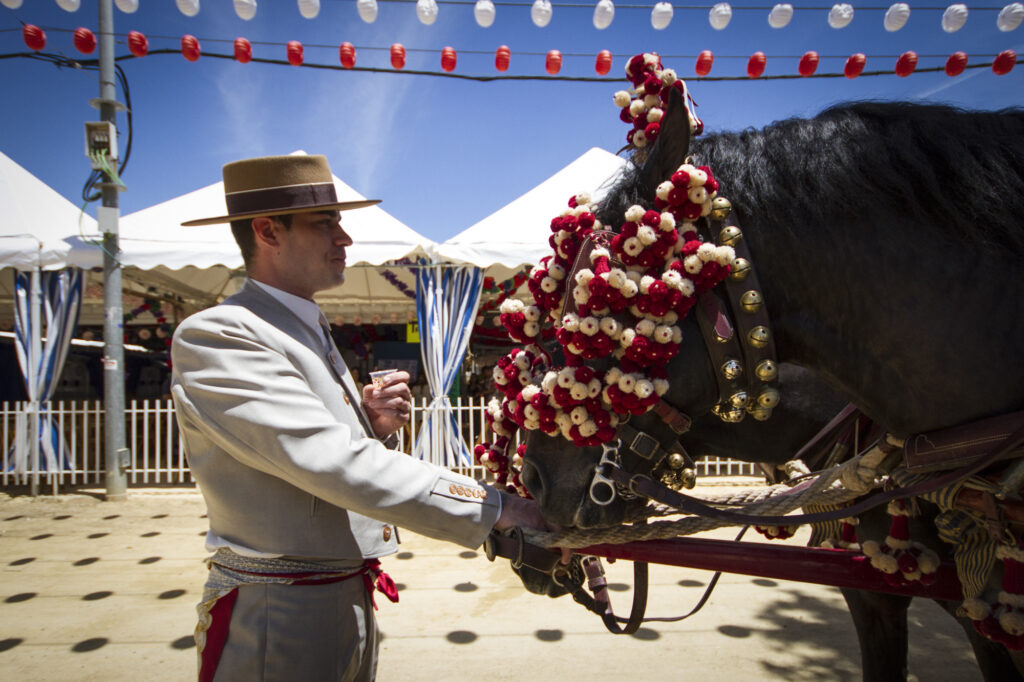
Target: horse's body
{"points": [[889, 243]]}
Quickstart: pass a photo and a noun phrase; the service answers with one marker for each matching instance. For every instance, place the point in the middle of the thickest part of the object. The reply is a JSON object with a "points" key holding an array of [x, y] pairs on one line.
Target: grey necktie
{"points": [[341, 373]]}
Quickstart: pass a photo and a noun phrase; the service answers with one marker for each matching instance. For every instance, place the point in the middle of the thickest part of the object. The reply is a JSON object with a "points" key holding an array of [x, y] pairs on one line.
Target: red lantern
{"points": [[294, 48], [755, 65], [808, 63], [137, 44], [398, 56], [854, 65], [604, 62], [85, 41], [243, 51], [190, 47], [33, 36], [553, 62], [501, 58], [448, 59], [704, 62], [906, 64], [1004, 62], [956, 63], [347, 54]]}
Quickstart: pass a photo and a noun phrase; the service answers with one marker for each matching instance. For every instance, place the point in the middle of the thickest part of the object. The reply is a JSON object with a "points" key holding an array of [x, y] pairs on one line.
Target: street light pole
{"points": [[116, 454]]}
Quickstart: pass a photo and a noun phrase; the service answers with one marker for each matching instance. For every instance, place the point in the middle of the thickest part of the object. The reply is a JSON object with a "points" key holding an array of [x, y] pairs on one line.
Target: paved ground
{"points": [[95, 590]]}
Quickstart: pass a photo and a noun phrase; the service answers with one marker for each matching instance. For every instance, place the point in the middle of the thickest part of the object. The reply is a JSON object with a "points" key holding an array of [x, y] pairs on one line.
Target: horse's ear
{"points": [[670, 149]]}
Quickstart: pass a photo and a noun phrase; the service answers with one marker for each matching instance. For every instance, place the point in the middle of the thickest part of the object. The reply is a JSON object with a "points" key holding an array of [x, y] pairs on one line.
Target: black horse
{"points": [[889, 242]]}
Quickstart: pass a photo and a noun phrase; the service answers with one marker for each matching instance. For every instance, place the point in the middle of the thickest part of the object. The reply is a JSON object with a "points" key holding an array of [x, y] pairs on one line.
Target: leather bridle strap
{"points": [[646, 487]]}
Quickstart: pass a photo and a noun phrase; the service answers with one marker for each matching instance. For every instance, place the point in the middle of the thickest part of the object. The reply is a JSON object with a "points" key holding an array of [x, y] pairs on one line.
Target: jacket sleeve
{"points": [[251, 400]]}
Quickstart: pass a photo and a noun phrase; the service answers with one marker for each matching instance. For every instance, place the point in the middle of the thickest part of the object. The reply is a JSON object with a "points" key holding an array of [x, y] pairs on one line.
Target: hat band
{"points": [[281, 198]]}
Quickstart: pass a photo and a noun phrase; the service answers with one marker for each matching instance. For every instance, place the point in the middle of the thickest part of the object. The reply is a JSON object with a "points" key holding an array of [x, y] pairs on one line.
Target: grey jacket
{"points": [[278, 450]]}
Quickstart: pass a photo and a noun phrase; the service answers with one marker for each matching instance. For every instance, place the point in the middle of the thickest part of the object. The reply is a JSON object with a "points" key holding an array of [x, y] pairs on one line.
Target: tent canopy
{"points": [[517, 234], [37, 225]]}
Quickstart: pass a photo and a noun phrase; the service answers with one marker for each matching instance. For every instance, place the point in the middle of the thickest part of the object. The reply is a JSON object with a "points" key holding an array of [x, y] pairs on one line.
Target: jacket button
{"points": [[387, 533]]}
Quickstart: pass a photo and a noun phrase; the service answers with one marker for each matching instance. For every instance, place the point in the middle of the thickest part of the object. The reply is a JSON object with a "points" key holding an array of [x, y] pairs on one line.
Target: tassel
{"points": [[901, 560], [1003, 622]]}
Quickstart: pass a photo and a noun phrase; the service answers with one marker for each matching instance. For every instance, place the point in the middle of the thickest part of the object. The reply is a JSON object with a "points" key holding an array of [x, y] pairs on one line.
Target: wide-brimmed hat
{"points": [[279, 185]]}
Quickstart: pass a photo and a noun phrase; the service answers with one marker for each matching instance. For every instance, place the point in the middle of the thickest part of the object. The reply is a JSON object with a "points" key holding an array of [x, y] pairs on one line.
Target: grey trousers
{"points": [[311, 633]]}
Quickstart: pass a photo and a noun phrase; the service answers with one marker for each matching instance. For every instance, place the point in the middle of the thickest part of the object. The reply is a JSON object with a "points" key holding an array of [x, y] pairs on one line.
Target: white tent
{"points": [[37, 225], [517, 234], [202, 265]]}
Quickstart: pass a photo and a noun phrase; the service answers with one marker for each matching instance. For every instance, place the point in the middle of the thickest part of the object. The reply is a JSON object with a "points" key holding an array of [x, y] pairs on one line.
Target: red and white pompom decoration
{"points": [[644, 106], [900, 559], [847, 535], [777, 532], [1003, 621]]}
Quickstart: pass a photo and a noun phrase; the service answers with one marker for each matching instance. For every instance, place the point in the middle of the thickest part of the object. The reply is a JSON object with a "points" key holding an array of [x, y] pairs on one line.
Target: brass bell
{"points": [[688, 478], [739, 399], [766, 370], [732, 416], [751, 301], [732, 369], [758, 336], [720, 208], [675, 461], [759, 413], [730, 236], [740, 270], [769, 397]]}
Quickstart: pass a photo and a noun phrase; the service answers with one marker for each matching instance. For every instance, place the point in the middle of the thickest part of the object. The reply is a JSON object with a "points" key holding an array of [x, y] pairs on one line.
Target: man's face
{"points": [[312, 252]]}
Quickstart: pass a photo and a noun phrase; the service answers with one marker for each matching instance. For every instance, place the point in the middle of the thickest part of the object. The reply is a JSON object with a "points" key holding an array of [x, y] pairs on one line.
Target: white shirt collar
{"points": [[307, 311]]}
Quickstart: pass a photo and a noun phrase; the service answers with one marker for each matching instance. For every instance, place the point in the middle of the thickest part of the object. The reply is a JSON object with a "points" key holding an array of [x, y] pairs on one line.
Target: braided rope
{"points": [[830, 487]]}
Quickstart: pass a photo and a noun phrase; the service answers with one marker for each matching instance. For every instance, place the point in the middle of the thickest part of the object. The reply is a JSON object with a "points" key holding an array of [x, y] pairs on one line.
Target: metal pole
{"points": [[116, 455], [35, 353]]}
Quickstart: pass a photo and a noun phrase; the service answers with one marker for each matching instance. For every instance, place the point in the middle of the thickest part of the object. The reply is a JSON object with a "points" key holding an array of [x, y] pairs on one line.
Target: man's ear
{"points": [[265, 231]]}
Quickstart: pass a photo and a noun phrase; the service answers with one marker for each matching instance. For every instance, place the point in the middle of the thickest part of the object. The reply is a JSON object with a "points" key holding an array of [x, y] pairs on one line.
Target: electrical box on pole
{"points": [[100, 141]]}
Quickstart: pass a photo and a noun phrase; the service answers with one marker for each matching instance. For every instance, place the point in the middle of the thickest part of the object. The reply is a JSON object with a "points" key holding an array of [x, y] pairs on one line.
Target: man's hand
{"points": [[519, 511], [390, 406]]}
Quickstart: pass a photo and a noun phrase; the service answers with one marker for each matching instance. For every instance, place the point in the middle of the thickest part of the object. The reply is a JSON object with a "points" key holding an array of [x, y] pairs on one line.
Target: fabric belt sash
{"points": [[228, 571]]}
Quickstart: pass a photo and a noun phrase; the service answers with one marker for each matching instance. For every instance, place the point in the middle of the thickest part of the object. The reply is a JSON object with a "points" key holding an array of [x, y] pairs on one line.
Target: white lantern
{"points": [[781, 15], [840, 15], [245, 9], [540, 13], [127, 6], [367, 10], [309, 9], [720, 16], [426, 10], [189, 8], [11, 4], [604, 12], [954, 18], [484, 13], [1009, 18], [896, 16], [661, 15], [69, 5]]}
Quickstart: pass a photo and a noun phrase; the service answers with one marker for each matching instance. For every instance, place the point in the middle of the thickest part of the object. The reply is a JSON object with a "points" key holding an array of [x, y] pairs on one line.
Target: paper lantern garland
{"points": [[138, 45], [85, 40]]}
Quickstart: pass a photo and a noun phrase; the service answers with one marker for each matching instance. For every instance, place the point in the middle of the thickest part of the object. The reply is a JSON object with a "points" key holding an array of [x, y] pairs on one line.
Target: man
{"points": [[300, 490]]}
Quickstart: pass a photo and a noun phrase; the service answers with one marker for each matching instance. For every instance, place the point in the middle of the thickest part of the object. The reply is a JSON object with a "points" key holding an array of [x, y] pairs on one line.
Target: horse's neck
{"points": [[904, 326]]}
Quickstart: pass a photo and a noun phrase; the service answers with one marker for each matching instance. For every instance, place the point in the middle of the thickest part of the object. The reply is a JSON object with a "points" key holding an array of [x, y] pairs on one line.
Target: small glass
{"points": [[378, 376]]}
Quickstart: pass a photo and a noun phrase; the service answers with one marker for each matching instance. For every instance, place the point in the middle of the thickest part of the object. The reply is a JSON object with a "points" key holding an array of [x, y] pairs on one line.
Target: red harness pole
{"points": [[836, 567]]}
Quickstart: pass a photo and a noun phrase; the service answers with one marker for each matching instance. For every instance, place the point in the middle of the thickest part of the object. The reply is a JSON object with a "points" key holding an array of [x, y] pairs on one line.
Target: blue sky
{"points": [[443, 153]]}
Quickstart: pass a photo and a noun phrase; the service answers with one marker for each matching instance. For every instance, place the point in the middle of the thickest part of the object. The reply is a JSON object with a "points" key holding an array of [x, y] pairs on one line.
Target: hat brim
{"points": [[339, 206]]}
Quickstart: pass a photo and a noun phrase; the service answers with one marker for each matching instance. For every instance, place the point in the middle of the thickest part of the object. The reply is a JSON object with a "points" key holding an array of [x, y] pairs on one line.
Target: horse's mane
{"points": [[960, 173]]}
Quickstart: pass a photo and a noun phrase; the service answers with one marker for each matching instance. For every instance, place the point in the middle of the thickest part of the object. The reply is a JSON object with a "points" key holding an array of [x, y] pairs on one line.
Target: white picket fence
{"points": [[157, 458]]}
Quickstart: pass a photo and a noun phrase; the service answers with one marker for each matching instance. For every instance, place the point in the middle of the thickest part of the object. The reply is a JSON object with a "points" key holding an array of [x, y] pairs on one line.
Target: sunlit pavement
{"points": [[95, 590]]}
